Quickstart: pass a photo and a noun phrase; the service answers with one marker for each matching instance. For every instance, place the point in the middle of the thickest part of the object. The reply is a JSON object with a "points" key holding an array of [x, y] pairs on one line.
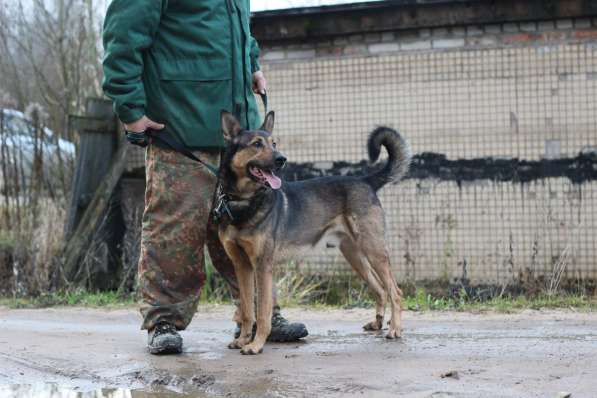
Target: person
{"points": [[171, 67]]}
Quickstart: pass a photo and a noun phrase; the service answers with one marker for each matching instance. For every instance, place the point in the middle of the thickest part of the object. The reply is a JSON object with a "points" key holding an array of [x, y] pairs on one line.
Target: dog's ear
{"points": [[268, 122], [230, 126]]}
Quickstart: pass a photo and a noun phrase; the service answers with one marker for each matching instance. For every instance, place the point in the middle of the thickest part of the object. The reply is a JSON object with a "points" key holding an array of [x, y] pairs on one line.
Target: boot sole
{"points": [[280, 339], [288, 338], [167, 349]]}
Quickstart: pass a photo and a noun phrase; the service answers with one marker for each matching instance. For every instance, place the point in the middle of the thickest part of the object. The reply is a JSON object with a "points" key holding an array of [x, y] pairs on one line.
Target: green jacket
{"points": [[181, 62]]}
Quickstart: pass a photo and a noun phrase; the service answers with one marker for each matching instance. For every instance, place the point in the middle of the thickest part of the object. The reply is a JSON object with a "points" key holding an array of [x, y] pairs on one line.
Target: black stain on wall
{"points": [[429, 165]]}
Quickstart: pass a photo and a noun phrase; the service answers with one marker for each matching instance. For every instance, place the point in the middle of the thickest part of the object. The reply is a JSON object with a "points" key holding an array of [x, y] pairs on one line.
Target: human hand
{"points": [[135, 132], [141, 125], [259, 83]]}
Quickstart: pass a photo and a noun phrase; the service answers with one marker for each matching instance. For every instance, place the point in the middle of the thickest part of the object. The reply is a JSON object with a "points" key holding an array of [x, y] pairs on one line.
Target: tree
{"points": [[50, 54]]}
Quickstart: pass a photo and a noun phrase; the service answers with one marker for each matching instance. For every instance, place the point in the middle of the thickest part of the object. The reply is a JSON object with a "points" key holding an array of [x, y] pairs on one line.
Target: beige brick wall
{"points": [[525, 91]]}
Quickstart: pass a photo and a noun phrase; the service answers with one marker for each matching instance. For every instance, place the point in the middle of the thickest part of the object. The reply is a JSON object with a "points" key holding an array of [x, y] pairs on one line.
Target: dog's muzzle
{"points": [[280, 161]]}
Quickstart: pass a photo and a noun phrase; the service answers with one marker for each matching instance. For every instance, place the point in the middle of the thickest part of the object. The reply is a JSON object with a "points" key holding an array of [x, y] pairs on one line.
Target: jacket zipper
{"points": [[244, 71], [230, 9]]}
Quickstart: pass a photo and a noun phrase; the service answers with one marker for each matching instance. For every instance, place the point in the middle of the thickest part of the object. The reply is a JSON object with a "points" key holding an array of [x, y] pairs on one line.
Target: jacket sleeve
{"points": [[254, 54], [129, 29]]}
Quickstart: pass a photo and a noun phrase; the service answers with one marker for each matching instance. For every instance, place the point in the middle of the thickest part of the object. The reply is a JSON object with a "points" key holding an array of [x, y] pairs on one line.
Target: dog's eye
{"points": [[258, 144]]}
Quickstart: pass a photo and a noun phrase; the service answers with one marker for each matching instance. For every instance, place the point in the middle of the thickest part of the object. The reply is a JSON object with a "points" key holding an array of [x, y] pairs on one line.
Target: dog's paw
{"points": [[237, 343], [393, 334], [372, 326], [251, 349]]}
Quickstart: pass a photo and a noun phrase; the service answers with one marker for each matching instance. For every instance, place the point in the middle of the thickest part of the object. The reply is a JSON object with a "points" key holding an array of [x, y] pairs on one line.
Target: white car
{"points": [[18, 147]]}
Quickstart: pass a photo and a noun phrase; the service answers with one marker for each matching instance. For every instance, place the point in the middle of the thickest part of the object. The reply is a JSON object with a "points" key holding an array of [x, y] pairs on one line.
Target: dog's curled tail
{"points": [[399, 156]]}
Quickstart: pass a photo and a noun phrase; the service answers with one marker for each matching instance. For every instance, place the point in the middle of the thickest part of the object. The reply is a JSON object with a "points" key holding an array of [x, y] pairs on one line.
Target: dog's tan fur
{"points": [[269, 227]]}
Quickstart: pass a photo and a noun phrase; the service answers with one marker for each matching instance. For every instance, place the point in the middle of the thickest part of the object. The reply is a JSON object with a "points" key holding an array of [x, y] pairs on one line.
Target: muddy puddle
{"points": [[56, 391]]}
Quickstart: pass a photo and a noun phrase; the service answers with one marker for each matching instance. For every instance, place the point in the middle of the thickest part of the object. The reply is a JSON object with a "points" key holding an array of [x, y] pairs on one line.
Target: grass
{"points": [[73, 298], [422, 301], [317, 292]]}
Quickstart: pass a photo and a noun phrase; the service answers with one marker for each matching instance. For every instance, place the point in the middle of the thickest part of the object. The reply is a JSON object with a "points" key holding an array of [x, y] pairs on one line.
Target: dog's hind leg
{"points": [[359, 263], [379, 259], [246, 285], [371, 242]]}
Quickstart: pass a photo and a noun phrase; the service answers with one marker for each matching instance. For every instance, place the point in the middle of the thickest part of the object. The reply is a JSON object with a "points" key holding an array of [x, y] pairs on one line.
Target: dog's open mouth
{"points": [[266, 177]]}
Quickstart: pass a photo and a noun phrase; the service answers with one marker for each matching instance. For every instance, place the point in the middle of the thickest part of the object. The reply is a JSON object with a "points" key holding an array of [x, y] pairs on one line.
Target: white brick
{"points": [[458, 31], [439, 32], [582, 23], [355, 49], [378, 48], [474, 31], [273, 55], [387, 36], [355, 38], [372, 38], [484, 41], [416, 45], [510, 27], [424, 33], [488, 41], [528, 27], [338, 41], [448, 43], [323, 43], [493, 28], [299, 54], [546, 26], [409, 35], [564, 24]]}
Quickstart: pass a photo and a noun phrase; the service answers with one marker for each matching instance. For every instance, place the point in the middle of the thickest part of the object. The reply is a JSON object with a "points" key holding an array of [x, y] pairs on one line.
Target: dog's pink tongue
{"points": [[273, 180]]}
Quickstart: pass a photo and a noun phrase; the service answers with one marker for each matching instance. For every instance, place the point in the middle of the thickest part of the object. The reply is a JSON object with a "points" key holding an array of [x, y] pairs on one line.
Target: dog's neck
{"points": [[251, 207], [250, 210]]}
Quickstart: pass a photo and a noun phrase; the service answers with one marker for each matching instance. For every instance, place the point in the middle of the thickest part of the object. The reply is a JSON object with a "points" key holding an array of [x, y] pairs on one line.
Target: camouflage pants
{"points": [[175, 230]]}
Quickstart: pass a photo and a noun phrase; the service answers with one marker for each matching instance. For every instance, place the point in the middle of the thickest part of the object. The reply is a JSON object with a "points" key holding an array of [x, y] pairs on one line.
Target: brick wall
{"points": [[456, 37], [517, 90]]}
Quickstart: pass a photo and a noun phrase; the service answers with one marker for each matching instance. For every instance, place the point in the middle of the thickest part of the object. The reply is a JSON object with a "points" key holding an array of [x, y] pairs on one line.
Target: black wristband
{"points": [[139, 139]]}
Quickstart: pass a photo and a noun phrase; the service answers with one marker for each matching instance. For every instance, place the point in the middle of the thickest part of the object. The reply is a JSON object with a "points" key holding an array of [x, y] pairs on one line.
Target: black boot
{"points": [[282, 330], [164, 339]]}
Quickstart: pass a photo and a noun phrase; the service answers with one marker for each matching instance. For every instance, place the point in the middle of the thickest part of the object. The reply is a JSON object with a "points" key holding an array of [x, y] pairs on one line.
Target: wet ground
{"points": [[76, 353]]}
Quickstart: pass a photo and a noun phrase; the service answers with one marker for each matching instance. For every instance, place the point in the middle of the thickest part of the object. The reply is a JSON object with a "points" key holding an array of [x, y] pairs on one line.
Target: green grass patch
{"points": [[423, 301], [296, 289], [72, 298]]}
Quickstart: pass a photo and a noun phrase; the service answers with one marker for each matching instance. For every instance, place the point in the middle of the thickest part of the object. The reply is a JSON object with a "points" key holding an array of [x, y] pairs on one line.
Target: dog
{"points": [[271, 221]]}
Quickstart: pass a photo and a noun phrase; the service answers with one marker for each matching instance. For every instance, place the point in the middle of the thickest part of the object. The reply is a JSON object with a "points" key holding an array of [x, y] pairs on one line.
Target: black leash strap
{"points": [[220, 206], [166, 139], [264, 100]]}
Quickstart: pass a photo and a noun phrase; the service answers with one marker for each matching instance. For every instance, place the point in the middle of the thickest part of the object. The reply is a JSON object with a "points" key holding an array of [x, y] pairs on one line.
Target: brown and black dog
{"points": [[272, 221]]}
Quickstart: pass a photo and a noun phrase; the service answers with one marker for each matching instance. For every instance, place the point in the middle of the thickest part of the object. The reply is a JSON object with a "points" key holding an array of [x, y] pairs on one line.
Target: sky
{"points": [[260, 5]]}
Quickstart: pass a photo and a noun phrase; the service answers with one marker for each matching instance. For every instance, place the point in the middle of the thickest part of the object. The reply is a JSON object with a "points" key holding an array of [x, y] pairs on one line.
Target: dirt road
{"points": [[530, 354]]}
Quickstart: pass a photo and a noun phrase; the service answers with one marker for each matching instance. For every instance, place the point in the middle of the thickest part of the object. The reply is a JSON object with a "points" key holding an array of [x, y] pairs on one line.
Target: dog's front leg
{"points": [[246, 286], [264, 308]]}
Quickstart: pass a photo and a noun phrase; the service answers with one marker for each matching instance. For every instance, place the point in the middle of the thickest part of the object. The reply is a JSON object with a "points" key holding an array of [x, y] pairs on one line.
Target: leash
{"points": [[220, 200], [169, 141]]}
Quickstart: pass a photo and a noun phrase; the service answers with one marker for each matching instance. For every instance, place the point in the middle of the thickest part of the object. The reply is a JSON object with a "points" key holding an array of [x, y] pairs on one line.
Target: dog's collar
{"points": [[222, 208], [236, 207]]}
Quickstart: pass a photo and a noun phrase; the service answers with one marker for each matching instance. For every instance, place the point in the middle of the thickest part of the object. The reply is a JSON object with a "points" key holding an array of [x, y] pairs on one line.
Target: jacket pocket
{"points": [[191, 98], [194, 69]]}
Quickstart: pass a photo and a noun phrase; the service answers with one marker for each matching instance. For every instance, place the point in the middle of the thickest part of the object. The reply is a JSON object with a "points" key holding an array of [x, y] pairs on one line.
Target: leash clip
{"points": [[222, 208]]}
